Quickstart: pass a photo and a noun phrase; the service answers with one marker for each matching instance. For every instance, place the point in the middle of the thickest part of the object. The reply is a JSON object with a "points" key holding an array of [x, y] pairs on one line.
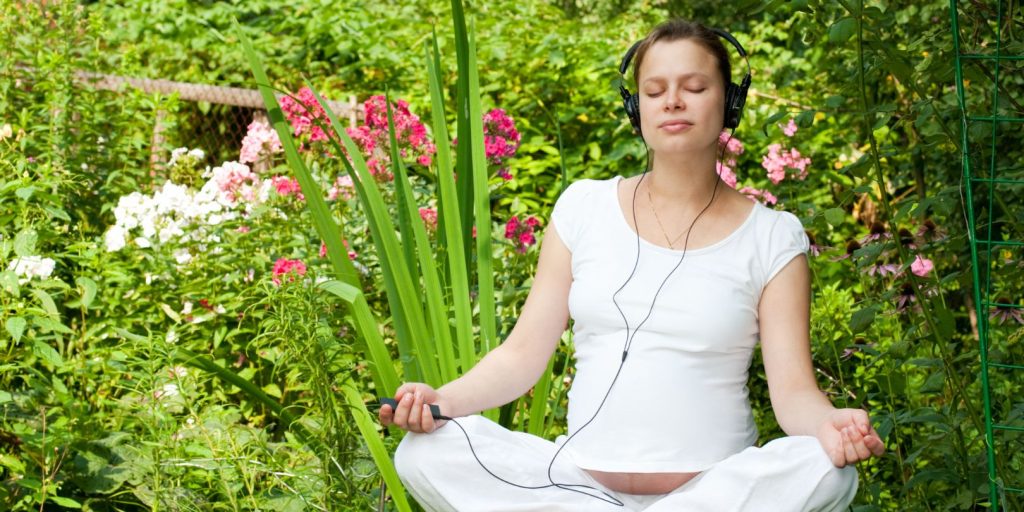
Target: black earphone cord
{"points": [[604, 496]]}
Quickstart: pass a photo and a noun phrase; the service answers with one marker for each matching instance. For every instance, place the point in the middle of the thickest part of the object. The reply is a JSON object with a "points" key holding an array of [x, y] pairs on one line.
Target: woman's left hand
{"points": [[848, 437]]}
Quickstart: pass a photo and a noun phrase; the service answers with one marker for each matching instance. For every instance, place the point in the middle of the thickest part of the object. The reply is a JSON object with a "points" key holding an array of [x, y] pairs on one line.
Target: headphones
{"points": [[735, 95]]}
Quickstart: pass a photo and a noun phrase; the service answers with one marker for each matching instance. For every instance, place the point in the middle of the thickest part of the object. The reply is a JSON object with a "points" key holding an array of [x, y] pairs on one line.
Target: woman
{"points": [[671, 280]]}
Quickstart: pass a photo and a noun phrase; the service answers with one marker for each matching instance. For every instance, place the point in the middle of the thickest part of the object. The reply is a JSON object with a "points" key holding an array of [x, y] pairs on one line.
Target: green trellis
{"points": [[989, 62]]}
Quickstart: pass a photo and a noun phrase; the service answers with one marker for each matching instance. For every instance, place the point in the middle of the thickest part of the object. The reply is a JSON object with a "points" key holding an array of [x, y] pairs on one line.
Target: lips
{"points": [[675, 124]]}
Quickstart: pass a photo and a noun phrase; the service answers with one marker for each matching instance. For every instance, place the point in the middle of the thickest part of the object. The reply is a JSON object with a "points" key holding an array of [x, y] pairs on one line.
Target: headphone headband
{"points": [[735, 95]]}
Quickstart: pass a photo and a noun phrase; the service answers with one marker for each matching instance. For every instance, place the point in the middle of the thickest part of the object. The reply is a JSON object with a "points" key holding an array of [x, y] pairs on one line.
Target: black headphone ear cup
{"points": [[632, 106], [731, 116]]}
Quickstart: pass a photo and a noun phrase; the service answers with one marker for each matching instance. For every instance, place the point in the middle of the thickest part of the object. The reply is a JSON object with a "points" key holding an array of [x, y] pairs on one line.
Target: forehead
{"points": [[668, 59]]}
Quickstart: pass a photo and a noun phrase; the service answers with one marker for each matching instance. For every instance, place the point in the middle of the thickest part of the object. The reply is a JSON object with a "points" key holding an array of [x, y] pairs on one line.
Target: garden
{"points": [[206, 323]]}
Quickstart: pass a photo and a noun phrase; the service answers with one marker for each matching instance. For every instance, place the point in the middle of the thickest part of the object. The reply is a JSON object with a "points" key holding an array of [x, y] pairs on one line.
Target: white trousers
{"points": [[790, 474]]}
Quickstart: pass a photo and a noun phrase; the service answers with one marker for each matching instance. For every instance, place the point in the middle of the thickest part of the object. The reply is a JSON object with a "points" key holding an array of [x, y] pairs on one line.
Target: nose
{"points": [[674, 100]]}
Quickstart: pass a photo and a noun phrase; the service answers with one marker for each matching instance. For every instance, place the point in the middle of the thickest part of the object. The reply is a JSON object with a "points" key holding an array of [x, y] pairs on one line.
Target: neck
{"points": [[684, 179]]}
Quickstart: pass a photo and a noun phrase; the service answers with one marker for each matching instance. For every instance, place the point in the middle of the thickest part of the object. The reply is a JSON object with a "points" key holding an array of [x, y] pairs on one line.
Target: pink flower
{"points": [[343, 187], [763, 196], [285, 266], [286, 186], [305, 115], [790, 128], [429, 216], [259, 142], [726, 173], [501, 140], [522, 233], [777, 161], [921, 266], [732, 144]]}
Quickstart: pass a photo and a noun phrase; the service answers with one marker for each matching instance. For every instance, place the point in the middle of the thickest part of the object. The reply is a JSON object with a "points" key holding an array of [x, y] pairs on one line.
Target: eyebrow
{"points": [[685, 76]]}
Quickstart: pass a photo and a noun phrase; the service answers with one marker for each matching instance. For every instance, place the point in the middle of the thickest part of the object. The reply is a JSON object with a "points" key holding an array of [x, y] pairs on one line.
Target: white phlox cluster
{"points": [[28, 267]]}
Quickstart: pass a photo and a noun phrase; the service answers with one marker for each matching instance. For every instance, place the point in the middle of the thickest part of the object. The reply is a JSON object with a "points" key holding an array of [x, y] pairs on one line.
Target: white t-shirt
{"points": [[680, 403]]}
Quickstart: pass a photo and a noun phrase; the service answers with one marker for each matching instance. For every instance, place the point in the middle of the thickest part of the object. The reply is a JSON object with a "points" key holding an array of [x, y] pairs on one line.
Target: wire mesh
{"points": [[990, 89]]}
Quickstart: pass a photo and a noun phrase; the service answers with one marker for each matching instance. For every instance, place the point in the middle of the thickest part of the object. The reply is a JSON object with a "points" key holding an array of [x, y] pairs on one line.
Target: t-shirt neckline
{"points": [[621, 216]]}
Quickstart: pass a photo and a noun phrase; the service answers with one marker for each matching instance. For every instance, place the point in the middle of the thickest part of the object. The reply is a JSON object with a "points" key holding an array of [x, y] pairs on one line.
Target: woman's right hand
{"points": [[413, 412]]}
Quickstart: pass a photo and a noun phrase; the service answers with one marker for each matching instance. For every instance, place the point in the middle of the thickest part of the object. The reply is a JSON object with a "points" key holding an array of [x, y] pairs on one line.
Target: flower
{"points": [[921, 266], [28, 267], [343, 187], [6, 131], [305, 115], [522, 232], [790, 128], [429, 216], [726, 173], [1005, 311], [778, 160], [286, 186], [374, 140], [763, 196], [286, 266], [260, 141]]}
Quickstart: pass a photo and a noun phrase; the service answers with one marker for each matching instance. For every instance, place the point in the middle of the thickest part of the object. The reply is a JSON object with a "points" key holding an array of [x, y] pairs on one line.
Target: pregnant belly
{"points": [[641, 483]]}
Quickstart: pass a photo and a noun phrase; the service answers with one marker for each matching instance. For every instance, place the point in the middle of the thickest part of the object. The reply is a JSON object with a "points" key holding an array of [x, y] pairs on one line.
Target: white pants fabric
{"points": [[439, 470]]}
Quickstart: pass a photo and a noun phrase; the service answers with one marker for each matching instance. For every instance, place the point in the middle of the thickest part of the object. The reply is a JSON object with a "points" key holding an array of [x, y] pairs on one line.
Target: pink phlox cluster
{"points": [[501, 140], [732, 147], [343, 187], [236, 182], [764, 196], [291, 268], [286, 186], [921, 266], [305, 115], [790, 128], [522, 232], [259, 142], [726, 173], [373, 138], [429, 216], [777, 161]]}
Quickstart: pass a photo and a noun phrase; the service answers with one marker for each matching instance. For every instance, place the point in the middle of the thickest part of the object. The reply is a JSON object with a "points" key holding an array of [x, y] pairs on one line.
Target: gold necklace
{"points": [[671, 242]]}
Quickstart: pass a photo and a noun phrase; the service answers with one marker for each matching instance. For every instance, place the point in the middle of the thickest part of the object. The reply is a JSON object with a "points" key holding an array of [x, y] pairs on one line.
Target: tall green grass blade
{"points": [[368, 428], [463, 152], [403, 294], [415, 231], [385, 378], [482, 207], [329, 231], [449, 218], [539, 401]]}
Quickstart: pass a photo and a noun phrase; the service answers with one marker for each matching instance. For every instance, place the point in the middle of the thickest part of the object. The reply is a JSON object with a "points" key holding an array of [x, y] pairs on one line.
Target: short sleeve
{"points": [[567, 214], [786, 240]]}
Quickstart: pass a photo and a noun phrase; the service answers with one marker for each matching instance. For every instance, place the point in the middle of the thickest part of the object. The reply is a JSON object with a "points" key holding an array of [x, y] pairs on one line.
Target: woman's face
{"points": [[682, 97]]}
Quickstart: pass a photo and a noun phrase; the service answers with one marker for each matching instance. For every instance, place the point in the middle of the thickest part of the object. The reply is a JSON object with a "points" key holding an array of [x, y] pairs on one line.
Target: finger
{"points": [[401, 417], [850, 451], [385, 415], [838, 453], [415, 414], [427, 419], [863, 421], [858, 443], [874, 443]]}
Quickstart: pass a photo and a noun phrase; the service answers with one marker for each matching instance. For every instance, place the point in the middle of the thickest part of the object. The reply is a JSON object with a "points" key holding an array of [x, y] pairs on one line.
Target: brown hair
{"points": [[677, 29]]}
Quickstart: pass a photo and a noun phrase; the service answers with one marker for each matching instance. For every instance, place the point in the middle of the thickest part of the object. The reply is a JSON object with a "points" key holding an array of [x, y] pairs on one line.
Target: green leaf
{"points": [[128, 335], [51, 324], [16, 327], [9, 282], [47, 302], [835, 101], [47, 354], [25, 243], [835, 216], [862, 318], [88, 287], [842, 30], [64, 502], [169, 311], [25, 192]]}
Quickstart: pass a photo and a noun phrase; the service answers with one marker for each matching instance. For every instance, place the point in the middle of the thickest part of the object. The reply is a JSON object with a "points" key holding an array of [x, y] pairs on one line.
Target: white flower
{"points": [[178, 371], [197, 153], [6, 131], [114, 238], [182, 256], [187, 308], [143, 242], [28, 267], [171, 336], [167, 391], [101, 140]]}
